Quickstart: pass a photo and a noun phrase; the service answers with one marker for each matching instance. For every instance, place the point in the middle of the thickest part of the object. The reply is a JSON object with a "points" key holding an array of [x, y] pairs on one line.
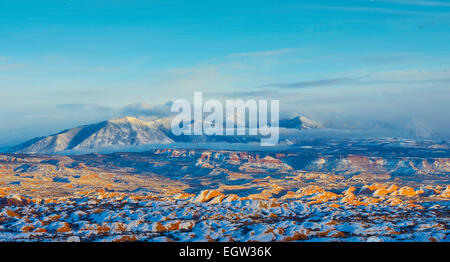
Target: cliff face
{"points": [[336, 164], [380, 165]]}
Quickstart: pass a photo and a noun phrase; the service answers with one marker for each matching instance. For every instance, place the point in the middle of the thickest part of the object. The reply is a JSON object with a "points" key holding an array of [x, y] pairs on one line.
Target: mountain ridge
{"points": [[126, 131], [131, 132]]}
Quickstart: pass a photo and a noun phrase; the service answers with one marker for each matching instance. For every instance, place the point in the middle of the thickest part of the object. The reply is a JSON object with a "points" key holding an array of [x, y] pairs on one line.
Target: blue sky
{"points": [[65, 63]]}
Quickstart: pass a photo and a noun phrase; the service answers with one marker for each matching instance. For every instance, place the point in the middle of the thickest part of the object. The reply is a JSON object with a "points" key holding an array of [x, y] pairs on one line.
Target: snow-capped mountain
{"points": [[129, 133], [126, 131], [300, 122], [132, 132]]}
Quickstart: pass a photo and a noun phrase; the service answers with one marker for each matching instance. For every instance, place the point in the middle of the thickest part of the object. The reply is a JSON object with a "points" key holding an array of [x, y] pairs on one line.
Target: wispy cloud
{"points": [[244, 94], [394, 77], [83, 107], [308, 84], [145, 109], [262, 53], [364, 9], [416, 2], [387, 59]]}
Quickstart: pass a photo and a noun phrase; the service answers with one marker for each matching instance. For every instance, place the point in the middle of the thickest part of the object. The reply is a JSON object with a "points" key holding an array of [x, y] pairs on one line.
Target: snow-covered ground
{"points": [[375, 213], [394, 194]]}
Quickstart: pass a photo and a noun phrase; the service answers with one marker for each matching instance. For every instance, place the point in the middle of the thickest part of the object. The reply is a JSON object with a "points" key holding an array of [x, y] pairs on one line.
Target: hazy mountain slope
{"points": [[417, 129]]}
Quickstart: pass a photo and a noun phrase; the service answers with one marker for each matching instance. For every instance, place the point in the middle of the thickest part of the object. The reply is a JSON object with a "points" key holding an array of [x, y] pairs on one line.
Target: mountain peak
{"points": [[120, 132], [126, 119], [300, 122]]}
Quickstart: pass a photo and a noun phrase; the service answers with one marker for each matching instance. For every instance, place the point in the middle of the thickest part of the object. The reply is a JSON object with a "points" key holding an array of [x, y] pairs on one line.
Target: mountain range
{"points": [[131, 132], [126, 131]]}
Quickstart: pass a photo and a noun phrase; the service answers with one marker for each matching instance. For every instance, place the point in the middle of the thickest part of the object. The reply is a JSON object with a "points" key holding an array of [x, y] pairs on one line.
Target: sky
{"points": [[66, 63]]}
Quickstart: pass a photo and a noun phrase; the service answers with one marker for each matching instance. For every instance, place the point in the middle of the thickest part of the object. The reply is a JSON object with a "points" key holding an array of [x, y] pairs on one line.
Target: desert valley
{"points": [[320, 192]]}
